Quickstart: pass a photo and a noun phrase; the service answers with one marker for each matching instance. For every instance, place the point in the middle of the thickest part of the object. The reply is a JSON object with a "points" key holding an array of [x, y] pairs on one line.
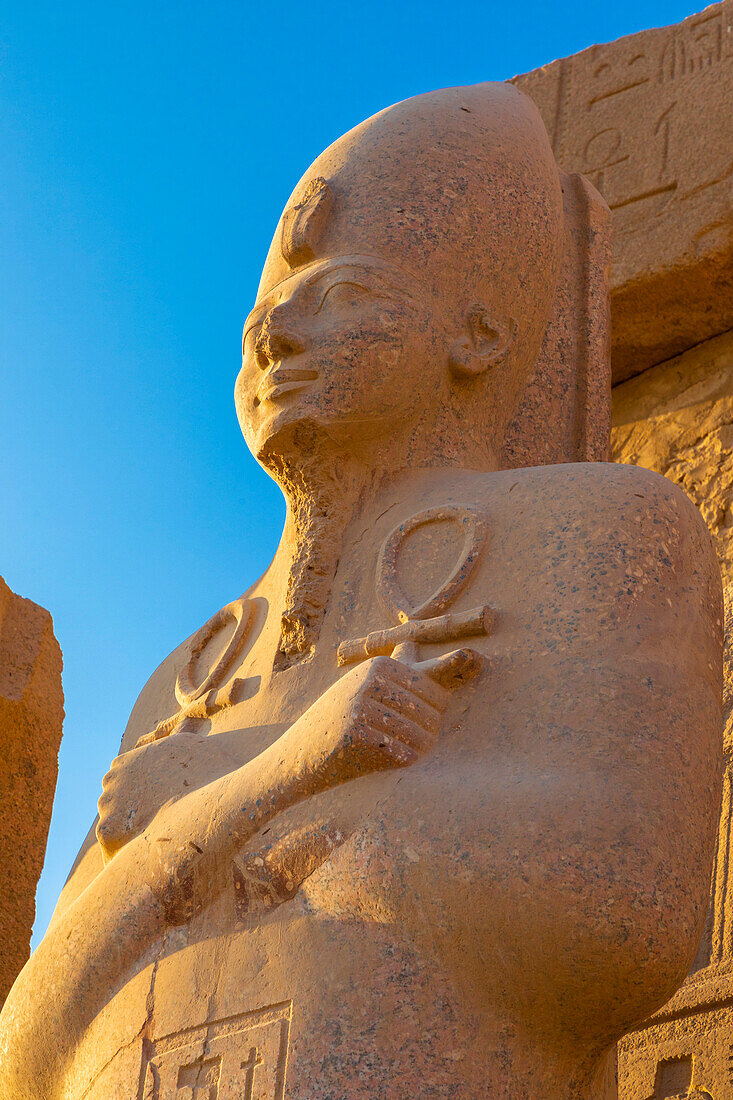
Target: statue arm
{"points": [[381, 715], [590, 777]]}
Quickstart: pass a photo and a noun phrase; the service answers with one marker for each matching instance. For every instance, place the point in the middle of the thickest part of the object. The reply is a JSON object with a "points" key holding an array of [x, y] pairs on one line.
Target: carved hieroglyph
{"points": [[31, 717], [648, 120], [427, 622], [438, 846], [208, 1062]]}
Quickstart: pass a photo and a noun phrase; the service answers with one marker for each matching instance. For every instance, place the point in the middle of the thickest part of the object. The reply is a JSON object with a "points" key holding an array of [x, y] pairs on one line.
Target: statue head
{"points": [[408, 286]]}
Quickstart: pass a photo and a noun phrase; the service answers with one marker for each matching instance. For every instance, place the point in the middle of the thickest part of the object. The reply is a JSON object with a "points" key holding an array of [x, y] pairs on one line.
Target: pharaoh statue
{"points": [[430, 810]]}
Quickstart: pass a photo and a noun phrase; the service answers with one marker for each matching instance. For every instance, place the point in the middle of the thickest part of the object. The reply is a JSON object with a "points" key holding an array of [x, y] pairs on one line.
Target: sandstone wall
{"points": [[31, 717]]}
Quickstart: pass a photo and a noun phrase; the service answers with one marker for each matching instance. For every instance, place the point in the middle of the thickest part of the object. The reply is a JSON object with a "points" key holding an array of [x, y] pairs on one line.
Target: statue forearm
{"points": [[379, 716]]}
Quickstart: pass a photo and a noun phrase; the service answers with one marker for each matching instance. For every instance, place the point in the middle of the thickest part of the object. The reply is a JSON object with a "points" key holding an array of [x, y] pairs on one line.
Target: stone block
{"points": [[31, 718], [648, 121]]}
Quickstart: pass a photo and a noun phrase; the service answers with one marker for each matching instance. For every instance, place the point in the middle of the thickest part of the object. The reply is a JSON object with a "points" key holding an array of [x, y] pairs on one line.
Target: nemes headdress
{"points": [[459, 189]]}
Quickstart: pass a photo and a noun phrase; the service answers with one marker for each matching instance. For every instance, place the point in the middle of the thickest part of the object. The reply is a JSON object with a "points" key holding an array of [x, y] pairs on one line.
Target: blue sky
{"points": [[148, 149]]}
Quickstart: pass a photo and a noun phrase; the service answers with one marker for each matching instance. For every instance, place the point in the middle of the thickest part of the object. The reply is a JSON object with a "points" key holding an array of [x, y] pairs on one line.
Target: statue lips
{"points": [[282, 381]]}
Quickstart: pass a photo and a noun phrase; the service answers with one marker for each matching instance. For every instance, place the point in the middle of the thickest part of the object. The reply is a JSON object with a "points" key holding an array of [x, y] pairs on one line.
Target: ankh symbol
{"points": [[208, 697], [427, 622]]}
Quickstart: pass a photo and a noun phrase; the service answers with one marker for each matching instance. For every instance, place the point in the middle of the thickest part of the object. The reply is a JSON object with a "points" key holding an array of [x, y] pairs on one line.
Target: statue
{"points": [[430, 810]]}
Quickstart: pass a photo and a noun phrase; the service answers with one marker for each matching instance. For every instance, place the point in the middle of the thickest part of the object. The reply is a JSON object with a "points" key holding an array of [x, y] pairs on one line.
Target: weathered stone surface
{"points": [[677, 418], [648, 119], [408, 817], [31, 717]]}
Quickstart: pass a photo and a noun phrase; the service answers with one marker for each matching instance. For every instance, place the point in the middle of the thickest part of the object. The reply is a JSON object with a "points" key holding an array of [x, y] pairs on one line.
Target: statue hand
{"points": [[383, 714], [142, 780]]}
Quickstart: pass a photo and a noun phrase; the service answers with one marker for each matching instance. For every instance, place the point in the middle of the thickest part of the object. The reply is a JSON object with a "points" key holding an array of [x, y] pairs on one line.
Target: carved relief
{"points": [[673, 1079], [626, 140], [302, 223], [611, 155], [648, 120], [423, 622], [696, 46], [603, 150], [214, 692], [240, 1058]]}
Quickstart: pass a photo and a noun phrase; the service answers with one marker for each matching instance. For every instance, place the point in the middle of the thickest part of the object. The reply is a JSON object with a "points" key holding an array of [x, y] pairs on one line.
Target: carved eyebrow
{"points": [[256, 317], [383, 275], [361, 271], [355, 281]]}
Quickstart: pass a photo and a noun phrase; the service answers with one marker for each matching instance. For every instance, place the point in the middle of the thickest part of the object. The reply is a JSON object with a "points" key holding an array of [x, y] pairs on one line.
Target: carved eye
{"points": [[344, 294]]}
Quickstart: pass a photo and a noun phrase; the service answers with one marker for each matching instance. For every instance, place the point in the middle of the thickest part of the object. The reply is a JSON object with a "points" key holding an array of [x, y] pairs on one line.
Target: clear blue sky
{"points": [[147, 150]]}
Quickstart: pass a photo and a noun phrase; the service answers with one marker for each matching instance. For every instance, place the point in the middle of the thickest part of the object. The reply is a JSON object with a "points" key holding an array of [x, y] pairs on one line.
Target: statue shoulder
{"points": [[621, 546], [591, 524], [598, 532], [619, 512], [635, 512]]}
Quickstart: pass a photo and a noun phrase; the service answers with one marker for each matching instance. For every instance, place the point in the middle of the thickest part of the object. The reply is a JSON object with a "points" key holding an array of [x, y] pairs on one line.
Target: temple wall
{"points": [[677, 419], [648, 121]]}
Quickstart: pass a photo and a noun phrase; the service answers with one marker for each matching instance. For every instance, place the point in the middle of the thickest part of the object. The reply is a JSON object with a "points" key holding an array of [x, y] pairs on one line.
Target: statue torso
{"points": [[385, 922]]}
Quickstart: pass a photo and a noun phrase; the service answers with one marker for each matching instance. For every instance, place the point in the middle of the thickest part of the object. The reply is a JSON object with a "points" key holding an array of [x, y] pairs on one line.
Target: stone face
{"points": [[648, 121], [677, 419], [31, 717], [408, 817]]}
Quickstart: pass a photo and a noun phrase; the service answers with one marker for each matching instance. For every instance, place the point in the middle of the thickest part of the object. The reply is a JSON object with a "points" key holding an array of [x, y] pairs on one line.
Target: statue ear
{"points": [[483, 343]]}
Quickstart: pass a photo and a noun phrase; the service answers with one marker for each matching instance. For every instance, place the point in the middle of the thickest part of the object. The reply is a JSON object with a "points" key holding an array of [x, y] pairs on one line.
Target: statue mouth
{"points": [[280, 382]]}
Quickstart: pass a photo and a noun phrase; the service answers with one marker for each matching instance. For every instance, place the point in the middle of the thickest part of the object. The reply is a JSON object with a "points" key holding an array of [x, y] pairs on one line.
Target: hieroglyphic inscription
{"points": [[648, 121], [627, 114], [200, 1080], [695, 46], [240, 1058]]}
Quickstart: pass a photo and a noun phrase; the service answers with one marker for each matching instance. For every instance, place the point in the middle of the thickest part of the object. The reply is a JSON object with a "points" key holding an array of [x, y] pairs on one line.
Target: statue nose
{"points": [[276, 341]]}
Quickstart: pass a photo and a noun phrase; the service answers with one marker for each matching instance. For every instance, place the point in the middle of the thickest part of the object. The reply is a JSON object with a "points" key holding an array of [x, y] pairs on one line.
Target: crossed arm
{"points": [[382, 714]]}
